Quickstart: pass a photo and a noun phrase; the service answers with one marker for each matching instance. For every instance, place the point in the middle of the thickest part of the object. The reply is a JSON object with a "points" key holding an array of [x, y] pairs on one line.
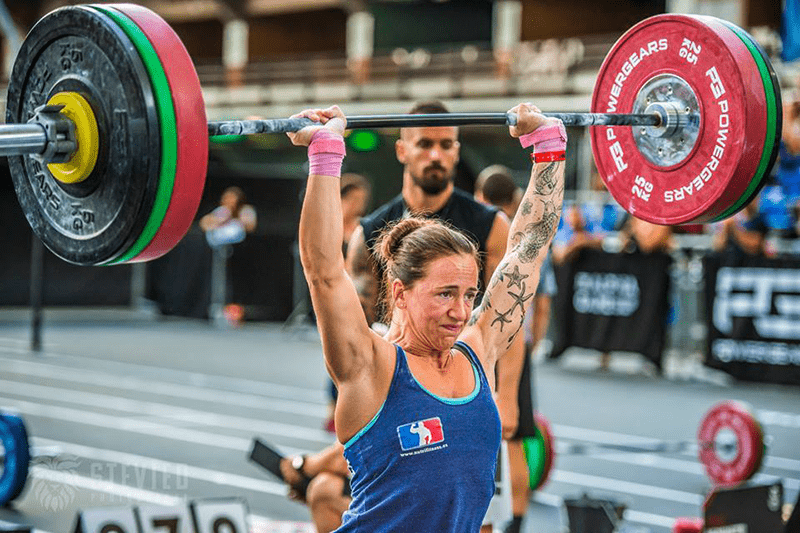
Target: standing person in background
{"points": [[638, 235], [355, 192], [229, 222], [573, 236], [495, 186], [741, 235], [432, 370], [226, 225]]}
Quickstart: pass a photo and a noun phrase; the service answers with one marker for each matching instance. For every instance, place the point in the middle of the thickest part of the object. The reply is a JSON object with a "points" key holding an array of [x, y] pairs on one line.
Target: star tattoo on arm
{"points": [[502, 318], [515, 278], [520, 299]]}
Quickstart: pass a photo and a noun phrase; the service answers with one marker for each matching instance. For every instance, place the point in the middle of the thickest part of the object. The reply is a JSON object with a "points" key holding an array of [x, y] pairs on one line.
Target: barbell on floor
{"points": [[730, 444], [107, 135]]}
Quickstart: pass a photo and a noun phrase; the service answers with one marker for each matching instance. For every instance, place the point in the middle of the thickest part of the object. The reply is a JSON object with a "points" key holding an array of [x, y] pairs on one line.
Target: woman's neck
{"points": [[413, 346]]}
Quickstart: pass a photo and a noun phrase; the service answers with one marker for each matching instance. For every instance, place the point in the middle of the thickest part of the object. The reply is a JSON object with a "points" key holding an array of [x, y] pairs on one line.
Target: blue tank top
{"points": [[424, 463]]}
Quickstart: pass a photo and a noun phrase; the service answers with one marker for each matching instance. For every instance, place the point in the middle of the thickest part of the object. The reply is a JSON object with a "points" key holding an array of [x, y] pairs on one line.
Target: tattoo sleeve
{"points": [[514, 282]]}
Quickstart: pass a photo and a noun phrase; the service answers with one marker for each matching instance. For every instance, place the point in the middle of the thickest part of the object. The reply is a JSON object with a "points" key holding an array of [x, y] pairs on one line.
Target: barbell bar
{"points": [[247, 127], [19, 139], [700, 130], [730, 445]]}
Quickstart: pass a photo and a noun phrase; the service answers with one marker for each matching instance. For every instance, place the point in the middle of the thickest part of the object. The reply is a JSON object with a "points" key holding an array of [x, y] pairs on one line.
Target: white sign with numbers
{"points": [[220, 516], [108, 520], [162, 519], [201, 516]]}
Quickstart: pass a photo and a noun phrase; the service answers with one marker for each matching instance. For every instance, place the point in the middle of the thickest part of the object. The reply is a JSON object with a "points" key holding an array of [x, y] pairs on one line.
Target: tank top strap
{"points": [[401, 362], [465, 348]]}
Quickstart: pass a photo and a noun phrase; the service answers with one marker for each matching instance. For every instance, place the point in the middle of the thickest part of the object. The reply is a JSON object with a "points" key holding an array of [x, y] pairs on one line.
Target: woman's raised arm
{"points": [[347, 341], [499, 318]]}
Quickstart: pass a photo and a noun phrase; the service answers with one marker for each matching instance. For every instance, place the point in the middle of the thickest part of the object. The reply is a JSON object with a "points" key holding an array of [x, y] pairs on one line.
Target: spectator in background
{"points": [[228, 223], [741, 235], [573, 236], [790, 134], [495, 186], [641, 236], [602, 214], [782, 190], [793, 233], [355, 192]]}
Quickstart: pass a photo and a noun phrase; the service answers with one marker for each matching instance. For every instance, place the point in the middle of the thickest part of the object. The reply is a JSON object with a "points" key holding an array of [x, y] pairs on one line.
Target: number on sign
{"points": [[170, 524], [224, 525]]}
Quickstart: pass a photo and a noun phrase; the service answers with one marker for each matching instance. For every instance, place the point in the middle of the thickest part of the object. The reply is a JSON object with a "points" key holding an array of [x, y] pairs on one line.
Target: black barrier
{"points": [[754, 318], [613, 302], [750, 508]]}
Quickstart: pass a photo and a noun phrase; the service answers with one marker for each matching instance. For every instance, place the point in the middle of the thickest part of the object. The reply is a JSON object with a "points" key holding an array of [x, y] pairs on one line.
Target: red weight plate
{"points": [[710, 177], [756, 126], [192, 130], [731, 443], [549, 447]]}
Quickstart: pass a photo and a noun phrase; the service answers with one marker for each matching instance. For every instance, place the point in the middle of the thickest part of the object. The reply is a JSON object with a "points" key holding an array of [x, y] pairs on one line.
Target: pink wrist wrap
{"points": [[325, 154], [546, 139]]}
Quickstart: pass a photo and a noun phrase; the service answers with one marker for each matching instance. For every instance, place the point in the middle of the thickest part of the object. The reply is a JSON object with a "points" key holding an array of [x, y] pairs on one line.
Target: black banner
{"points": [[754, 318], [613, 302]]}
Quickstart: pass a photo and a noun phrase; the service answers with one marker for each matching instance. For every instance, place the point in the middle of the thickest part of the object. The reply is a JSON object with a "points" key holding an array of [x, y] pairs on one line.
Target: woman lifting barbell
{"points": [[420, 427]]}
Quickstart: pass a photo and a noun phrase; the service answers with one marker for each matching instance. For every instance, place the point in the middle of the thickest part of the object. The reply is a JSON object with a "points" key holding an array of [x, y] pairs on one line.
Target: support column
{"points": [[360, 45], [235, 36], [681, 6], [586, 166], [730, 10], [506, 33]]}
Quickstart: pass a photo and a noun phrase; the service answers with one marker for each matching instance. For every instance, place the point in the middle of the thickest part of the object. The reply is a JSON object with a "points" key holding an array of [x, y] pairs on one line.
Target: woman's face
{"points": [[438, 306]]}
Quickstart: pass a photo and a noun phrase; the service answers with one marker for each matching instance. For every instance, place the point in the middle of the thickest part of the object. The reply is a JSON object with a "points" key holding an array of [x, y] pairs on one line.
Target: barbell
{"points": [[107, 135], [730, 445]]}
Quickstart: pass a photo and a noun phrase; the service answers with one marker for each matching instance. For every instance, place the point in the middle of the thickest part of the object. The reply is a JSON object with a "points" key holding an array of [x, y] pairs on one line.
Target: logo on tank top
{"points": [[420, 433]]}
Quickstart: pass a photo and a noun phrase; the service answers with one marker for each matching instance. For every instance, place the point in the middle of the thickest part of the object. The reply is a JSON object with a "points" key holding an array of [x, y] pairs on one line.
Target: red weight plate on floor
{"points": [[731, 443], [192, 126], [676, 59], [549, 447]]}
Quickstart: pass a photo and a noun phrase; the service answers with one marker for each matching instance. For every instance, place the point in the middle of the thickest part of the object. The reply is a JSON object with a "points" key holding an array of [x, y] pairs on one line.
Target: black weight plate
{"points": [[81, 50]]}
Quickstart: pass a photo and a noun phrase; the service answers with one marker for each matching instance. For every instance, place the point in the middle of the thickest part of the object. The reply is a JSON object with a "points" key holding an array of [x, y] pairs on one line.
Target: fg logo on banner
{"points": [[769, 296]]}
